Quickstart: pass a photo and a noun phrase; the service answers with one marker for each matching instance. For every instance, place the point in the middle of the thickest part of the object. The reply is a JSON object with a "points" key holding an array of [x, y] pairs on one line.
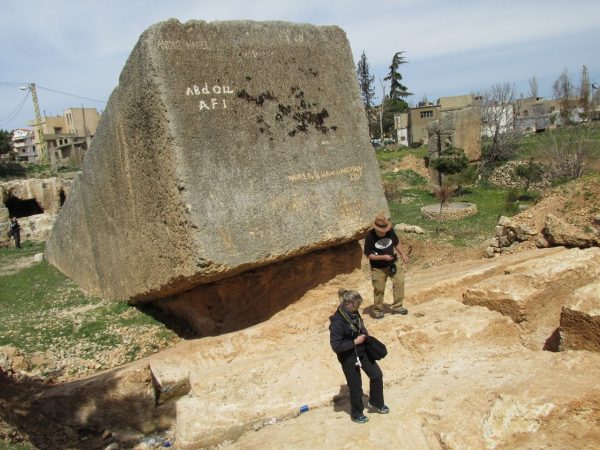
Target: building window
{"points": [[426, 114]]}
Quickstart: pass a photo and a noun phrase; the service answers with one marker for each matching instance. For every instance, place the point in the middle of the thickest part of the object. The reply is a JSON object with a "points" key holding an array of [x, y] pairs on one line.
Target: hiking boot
{"points": [[383, 410], [400, 310], [378, 315], [360, 419]]}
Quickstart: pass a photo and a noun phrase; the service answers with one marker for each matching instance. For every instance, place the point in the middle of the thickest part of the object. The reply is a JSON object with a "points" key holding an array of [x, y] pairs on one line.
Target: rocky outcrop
{"points": [[504, 176], [508, 235], [559, 232], [534, 292], [556, 232], [227, 146], [35, 202], [580, 319], [48, 193], [13, 361]]}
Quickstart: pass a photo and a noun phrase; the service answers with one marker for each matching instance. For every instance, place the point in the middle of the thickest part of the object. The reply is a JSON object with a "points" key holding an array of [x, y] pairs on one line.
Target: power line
{"points": [[13, 84], [52, 90], [15, 111], [72, 95]]}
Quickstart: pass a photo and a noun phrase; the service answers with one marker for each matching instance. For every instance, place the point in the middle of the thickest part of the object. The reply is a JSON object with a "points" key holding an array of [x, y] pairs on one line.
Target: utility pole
{"points": [[43, 145]]}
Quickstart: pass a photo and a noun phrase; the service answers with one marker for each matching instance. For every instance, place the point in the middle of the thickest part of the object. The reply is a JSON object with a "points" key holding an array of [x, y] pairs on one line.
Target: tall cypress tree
{"points": [[397, 89], [365, 81]]}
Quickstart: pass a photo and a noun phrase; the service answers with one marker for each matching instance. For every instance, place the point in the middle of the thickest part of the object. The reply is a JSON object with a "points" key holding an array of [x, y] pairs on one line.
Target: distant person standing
{"points": [[382, 247], [15, 231]]}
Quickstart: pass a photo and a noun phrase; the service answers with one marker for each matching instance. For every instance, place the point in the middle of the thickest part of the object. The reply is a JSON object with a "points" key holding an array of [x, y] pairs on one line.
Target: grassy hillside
{"points": [[46, 314]]}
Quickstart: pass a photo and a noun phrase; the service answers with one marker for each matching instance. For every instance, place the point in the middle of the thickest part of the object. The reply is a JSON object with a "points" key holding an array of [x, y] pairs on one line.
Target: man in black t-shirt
{"points": [[382, 247]]}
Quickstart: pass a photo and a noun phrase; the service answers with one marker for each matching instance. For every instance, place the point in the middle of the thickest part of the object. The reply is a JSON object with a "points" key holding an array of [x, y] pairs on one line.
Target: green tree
{"points": [[392, 107], [464, 178], [531, 172], [450, 161], [397, 89], [365, 81], [5, 142]]}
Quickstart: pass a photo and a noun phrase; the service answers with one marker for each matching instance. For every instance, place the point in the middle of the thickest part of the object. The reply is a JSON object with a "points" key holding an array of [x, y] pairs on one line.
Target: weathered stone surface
{"points": [[489, 252], [505, 222], [48, 195], [533, 292], [226, 146], [559, 232], [169, 381], [12, 360], [456, 376], [405, 228], [580, 319]]}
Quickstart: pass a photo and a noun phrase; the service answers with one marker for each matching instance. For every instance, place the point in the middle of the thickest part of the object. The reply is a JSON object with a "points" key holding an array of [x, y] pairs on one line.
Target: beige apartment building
{"points": [[68, 136], [411, 126]]}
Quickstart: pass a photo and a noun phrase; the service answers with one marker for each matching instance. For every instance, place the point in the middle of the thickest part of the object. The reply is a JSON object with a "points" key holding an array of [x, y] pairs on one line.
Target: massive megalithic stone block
{"points": [[226, 146]]}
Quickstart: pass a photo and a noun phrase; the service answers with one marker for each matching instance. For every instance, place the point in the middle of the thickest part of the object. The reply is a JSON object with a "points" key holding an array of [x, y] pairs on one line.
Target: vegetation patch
{"points": [[46, 313], [473, 230]]}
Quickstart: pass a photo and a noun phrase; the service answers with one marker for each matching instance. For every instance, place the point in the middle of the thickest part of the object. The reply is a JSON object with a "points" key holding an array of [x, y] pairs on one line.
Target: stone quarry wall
{"points": [[44, 195], [226, 146]]}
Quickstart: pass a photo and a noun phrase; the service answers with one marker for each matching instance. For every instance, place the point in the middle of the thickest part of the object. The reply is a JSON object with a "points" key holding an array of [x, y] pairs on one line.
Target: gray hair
{"points": [[349, 297]]}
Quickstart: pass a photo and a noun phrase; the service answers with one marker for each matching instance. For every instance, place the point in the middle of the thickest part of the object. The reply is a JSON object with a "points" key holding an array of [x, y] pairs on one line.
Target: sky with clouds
{"points": [[453, 47]]}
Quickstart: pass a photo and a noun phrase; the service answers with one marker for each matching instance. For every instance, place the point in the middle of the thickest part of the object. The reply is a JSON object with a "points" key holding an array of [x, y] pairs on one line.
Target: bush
{"points": [[12, 169]]}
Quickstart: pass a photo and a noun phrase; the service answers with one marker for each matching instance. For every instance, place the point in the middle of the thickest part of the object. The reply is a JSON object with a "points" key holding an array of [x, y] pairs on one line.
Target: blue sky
{"points": [[453, 46]]}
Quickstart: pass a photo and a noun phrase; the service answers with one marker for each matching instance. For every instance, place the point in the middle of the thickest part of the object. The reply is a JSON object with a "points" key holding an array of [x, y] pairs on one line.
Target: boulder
{"points": [[580, 319], [405, 228], [559, 232], [227, 146], [12, 360]]}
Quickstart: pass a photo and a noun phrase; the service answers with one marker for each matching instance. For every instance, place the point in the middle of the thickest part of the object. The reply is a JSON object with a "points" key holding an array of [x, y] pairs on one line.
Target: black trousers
{"points": [[17, 238], [354, 381]]}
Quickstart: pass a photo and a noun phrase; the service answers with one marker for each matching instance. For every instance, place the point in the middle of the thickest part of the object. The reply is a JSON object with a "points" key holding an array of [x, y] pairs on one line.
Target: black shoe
{"points": [[360, 419], [378, 315], [400, 310], [383, 410]]}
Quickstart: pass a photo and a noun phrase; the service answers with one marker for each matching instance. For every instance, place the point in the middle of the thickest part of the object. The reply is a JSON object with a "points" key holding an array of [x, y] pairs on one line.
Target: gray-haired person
{"points": [[347, 338]]}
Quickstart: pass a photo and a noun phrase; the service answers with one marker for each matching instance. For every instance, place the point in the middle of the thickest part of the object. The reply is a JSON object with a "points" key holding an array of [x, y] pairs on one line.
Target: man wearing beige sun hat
{"points": [[382, 247]]}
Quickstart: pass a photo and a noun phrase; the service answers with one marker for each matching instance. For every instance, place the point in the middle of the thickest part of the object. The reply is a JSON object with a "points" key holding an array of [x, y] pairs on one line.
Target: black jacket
{"points": [[341, 337]]}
